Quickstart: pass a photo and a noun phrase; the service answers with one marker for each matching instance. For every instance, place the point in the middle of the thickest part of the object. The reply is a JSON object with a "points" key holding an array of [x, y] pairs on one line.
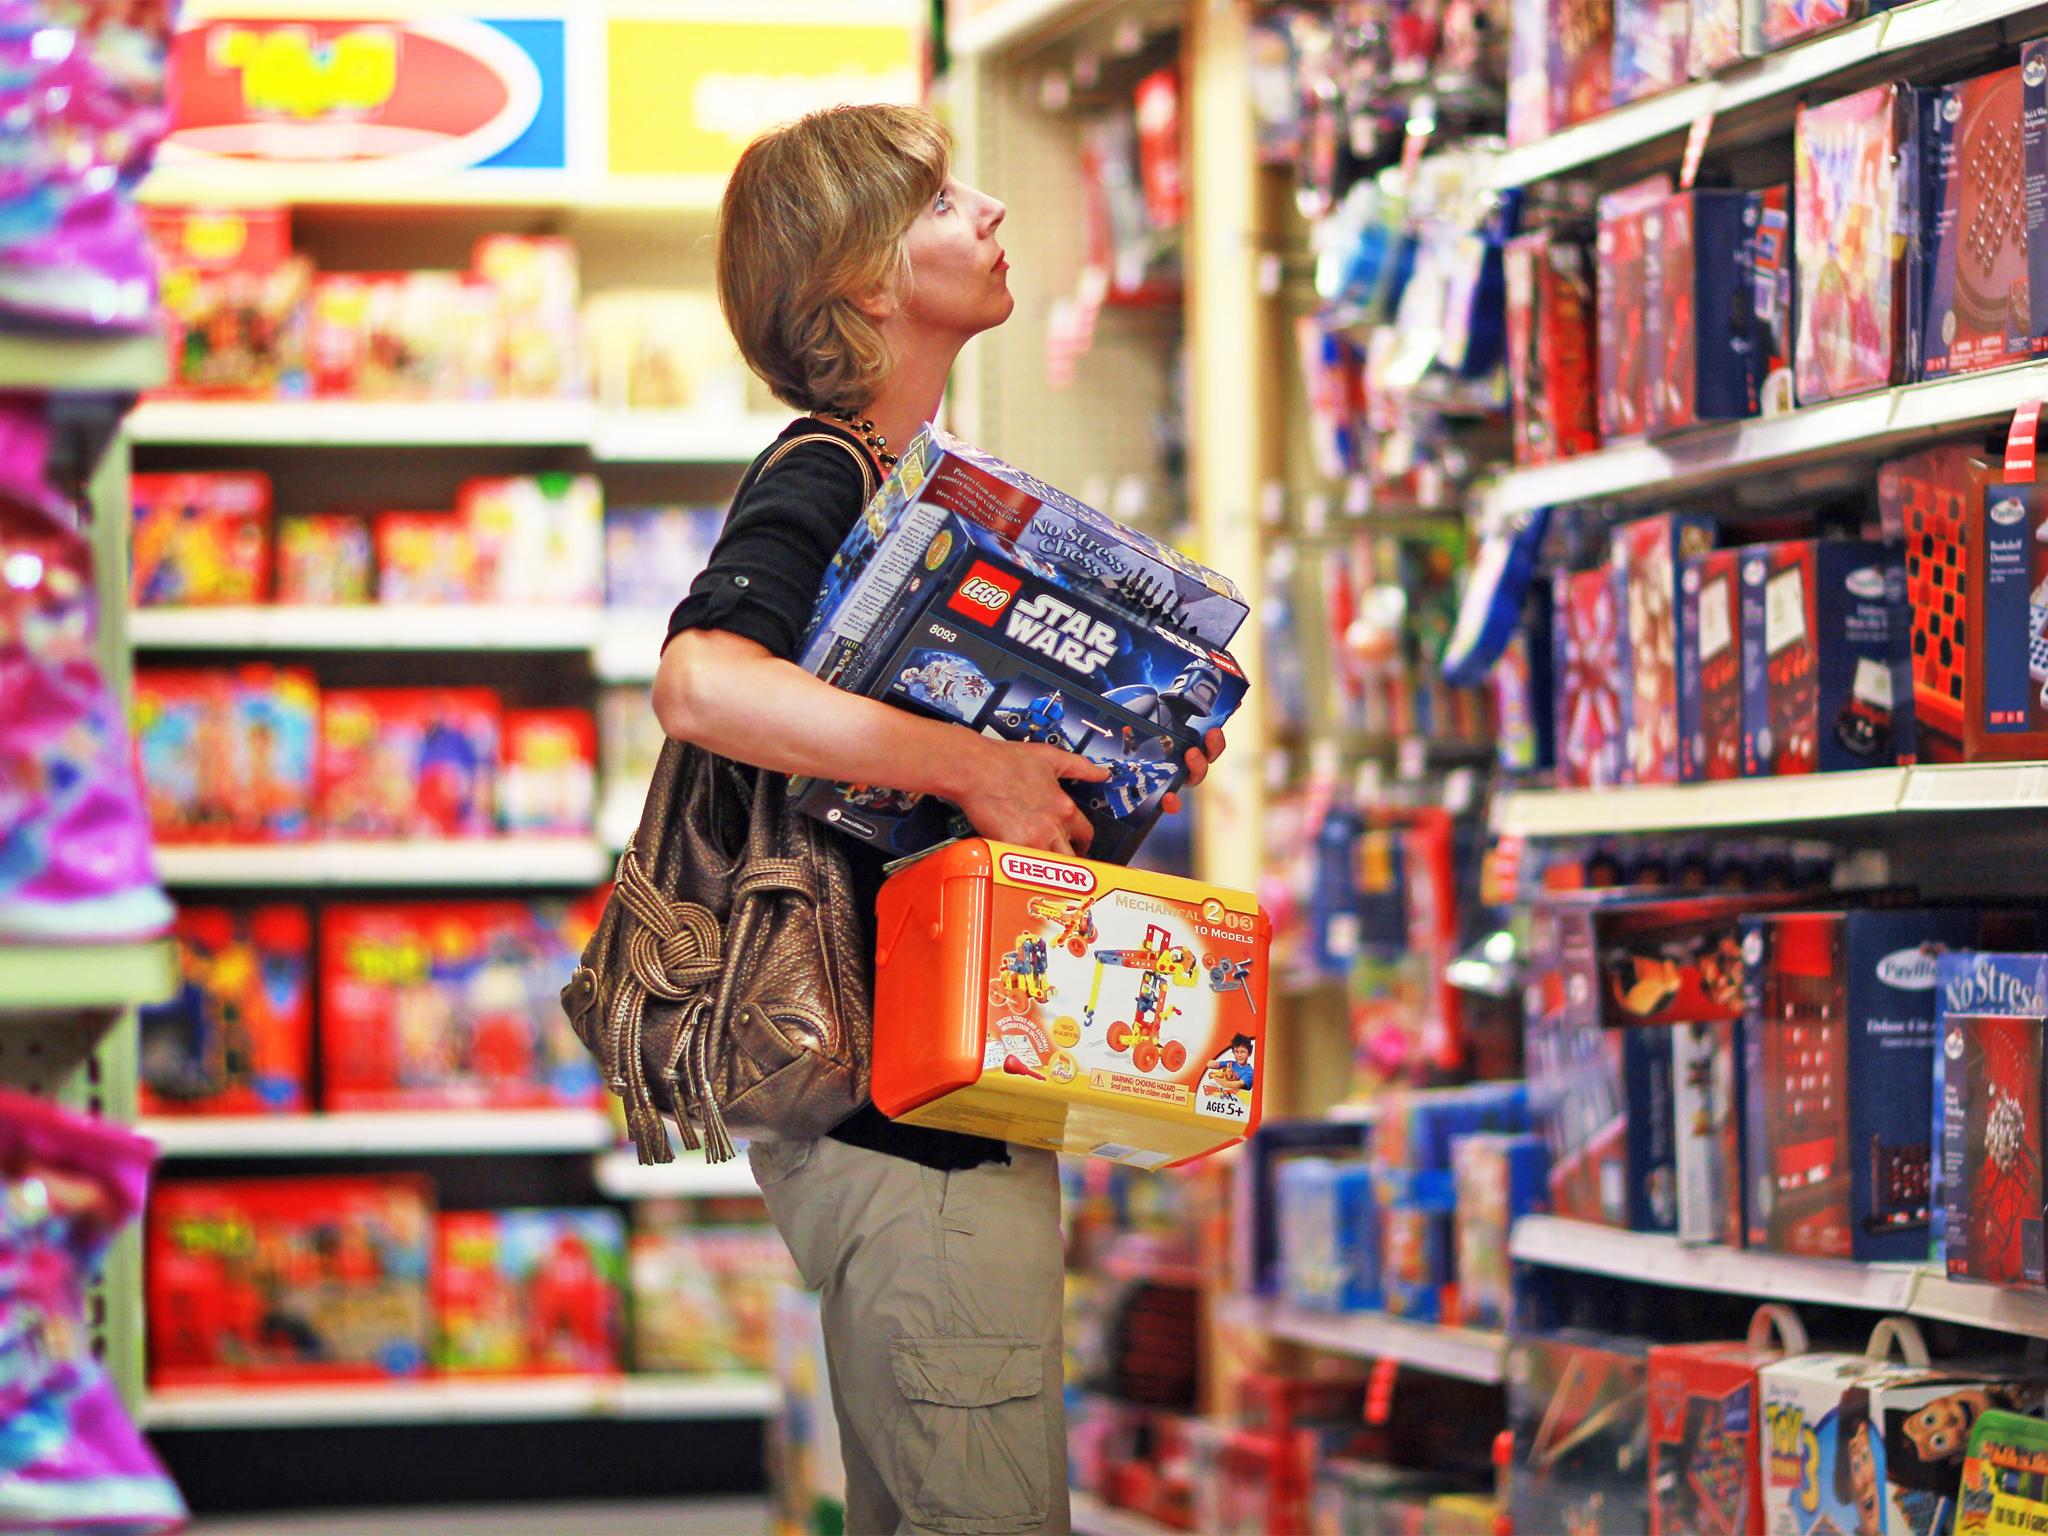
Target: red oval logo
{"points": [[1048, 873]]}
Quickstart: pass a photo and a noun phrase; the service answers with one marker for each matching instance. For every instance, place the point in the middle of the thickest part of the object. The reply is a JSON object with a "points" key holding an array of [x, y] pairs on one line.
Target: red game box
{"points": [[234, 300], [238, 1037], [1581, 60], [409, 762], [1648, 553], [549, 782], [228, 755], [1624, 379], [1586, 640], [452, 1005], [1720, 665], [1980, 312], [1550, 317], [201, 539], [426, 557], [529, 1293], [1705, 1429], [289, 1280]]}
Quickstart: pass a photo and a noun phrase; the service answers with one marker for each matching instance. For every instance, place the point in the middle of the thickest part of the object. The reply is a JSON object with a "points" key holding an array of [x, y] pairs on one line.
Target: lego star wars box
{"points": [[1987, 1116], [2005, 1477], [1977, 582], [529, 1292], [1080, 1006], [1825, 661], [1069, 544], [276, 1280], [237, 1039], [1647, 555], [1577, 1406], [983, 638], [1709, 673], [1839, 1079], [1981, 216], [1706, 1428]]}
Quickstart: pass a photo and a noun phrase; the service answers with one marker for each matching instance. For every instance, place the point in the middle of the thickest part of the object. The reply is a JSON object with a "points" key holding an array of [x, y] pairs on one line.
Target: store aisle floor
{"points": [[660, 1517]]}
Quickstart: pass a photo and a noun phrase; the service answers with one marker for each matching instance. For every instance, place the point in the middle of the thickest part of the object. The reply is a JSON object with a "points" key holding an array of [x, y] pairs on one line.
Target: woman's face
{"points": [[959, 280]]}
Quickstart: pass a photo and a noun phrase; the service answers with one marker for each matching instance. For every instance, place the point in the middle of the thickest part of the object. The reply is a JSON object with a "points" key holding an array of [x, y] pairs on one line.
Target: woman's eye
{"points": [[943, 205]]}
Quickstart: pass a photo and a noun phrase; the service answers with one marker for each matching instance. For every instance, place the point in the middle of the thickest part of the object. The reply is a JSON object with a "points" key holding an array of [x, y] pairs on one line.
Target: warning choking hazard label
{"points": [[1138, 1087]]}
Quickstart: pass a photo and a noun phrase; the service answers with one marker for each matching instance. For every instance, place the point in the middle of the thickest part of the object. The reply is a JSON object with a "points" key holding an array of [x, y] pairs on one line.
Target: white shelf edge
{"points": [[1469, 1353], [628, 645], [482, 861], [44, 977], [682, 437], [1003, 23], [364, 423], [358, 1133], [369, 627], [1094, 1517], [620, 1175], [453, 1400]]}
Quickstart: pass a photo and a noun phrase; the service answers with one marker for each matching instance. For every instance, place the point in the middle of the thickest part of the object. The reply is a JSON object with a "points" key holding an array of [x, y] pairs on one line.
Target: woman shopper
{"points": [[852, 268]]}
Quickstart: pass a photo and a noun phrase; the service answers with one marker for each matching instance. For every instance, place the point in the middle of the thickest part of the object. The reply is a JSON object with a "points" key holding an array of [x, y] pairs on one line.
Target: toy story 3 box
{"points": [[1066, 1003], [991, 638]]}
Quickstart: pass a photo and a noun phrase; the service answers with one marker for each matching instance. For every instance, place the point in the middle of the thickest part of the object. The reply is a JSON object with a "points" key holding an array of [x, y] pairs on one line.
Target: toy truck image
{"points": [[985, 954]]}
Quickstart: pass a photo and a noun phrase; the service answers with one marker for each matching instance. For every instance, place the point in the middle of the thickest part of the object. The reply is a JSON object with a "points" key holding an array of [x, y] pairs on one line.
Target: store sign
{"points": [[367, 101]]}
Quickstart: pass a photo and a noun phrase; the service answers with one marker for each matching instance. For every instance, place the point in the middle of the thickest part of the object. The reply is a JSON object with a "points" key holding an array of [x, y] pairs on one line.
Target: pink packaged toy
{"points": [[426, 557], [201, 539], [409, 762]]}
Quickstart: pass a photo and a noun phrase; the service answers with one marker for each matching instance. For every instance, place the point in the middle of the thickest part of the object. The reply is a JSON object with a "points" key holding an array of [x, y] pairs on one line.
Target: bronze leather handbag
{"points": [[727, 984]]}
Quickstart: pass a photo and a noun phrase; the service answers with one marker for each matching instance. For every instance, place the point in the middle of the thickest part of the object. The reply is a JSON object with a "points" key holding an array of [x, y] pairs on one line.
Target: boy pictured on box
{"points": [[852, 268]]}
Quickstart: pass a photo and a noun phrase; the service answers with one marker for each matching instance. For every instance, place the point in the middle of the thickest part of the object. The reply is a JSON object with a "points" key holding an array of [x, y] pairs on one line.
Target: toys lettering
{"points": [[1142, 1044], [409, 762], [325, 558], [201, 539], [446, 1006], [2004, 1488], [1979, 304], [529, 1292], [237, 1037], [549, 778], [1853, 225], [289, 1280], [1576, 1405], [1987, 1125], [228, 756], [1648, 553]]}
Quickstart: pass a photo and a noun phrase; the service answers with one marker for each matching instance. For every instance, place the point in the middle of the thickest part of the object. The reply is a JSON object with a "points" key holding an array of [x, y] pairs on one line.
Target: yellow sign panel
{"points": [[685, 97]]}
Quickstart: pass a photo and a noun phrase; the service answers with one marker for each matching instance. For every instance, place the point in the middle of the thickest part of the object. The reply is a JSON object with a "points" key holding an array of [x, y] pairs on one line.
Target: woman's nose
{"points": [[995, 215]]}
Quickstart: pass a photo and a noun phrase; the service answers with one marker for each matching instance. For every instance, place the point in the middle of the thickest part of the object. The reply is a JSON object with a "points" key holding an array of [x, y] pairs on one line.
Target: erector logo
{"points": [[1050, 874], [984, 594]]}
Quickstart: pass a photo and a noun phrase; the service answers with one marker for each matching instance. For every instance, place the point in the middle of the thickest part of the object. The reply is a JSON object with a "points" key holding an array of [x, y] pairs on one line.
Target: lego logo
{"points": [[1049, 874], [985, 594]]}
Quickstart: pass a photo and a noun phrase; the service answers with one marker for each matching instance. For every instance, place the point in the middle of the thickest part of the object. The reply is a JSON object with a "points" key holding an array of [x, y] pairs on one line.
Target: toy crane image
{"points": [[1160, 963], [1022, 980], [1076, 920]]}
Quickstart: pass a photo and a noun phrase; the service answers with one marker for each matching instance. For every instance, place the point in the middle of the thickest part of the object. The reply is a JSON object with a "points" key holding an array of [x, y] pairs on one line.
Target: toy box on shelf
{"points": [[1329, 1231], [409, 762], [1988, 1197], [549, 779], [1647, 556], [452, 1005], [539, 538], [1500, 1178], [703, 1295], [1028, 954], [426, 558], [1625, 363], [401, 336], [228, 755], [529, 1292], [1706, 1428], [325, 559], [290, 1280], [233, 299], [1710, 666], [1588, 634], [1706, 1113], [2005, 1476], [201, 539], [238, 1037], [653, 554], [1550, 319], [1577, 1404]]}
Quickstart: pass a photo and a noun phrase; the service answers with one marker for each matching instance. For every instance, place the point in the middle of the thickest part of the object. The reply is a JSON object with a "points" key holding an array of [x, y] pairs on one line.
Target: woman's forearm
{"points": [[729, 695]]}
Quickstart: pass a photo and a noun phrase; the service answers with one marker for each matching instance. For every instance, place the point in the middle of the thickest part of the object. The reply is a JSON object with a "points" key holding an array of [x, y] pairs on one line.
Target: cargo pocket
{"points": [[975, 1445]]}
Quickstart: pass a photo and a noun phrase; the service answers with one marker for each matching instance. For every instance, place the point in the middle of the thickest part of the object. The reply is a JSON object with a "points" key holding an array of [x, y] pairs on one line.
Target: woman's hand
{"points": [[1014, 793], [1198, 768]]}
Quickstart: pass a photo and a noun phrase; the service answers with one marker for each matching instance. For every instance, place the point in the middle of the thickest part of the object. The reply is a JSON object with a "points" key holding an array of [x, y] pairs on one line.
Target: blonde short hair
{"points": [[815, 217]]}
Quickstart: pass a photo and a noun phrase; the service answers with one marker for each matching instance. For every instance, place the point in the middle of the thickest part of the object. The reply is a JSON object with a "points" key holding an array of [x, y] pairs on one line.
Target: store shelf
{"points": [[474, 1400], [364, 423], [82, 363], [683, 437], [37, 978], [629, 646], [1001, 24], [1654, 1258], [1473, 1354], [618, 814], [483, 861], [1092, 1517], [621, 1176], [1765, 86], [368, 627], [401, 1133]]}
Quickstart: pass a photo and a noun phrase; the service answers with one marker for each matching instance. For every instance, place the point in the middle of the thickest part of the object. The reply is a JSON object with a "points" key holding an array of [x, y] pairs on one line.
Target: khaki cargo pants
{"points": [[942, 1305]]}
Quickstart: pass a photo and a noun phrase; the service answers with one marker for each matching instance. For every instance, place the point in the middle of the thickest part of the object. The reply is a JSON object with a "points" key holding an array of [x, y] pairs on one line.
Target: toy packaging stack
{"points": [[201, 539], [1647, 556], [536, 289], [548, 783], [451, 1005], [409, 762], [309, 1280], [1706, 1428], [1499, 1178], [1578, 1406], [1088, 1008], [228, 756], [704, 1296], [325, 559], [1988, 1198], [237, 1039], [1329, 1227], [425, 557], [529, 1292], [1550, 321], [234, 301]]}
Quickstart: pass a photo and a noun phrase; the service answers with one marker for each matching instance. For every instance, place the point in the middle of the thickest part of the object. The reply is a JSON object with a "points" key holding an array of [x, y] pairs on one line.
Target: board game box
{"points": [[548, 782], [1701, 329], [1987, 1116], [452, 1005], [1706, 1112], [325, 558], [1706, 1430], [200, 539], [1620, 283], [237, 1039], [652, 554], [1723, 32], [2004, 1489], [1578, 1408], [234, 300], [409, 762], [277, 1280], [1650, 38], [1768, 280], [1839, 1076], [1586, 638], [1648, 554], [1826, 666], [529, 1292], [1499, 1179], [1855, 225], [1576, 1072], [228, 755], [1580, 36], [1550, 319], [1709, 673]]}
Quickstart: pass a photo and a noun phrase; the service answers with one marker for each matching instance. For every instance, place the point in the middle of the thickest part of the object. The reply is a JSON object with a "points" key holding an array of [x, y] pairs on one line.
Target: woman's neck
{"points": [[912, 393]]}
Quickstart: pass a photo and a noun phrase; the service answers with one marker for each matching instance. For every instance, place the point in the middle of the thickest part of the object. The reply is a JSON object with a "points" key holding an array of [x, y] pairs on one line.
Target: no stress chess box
{"points": [[1825, 668], [1088, 1008], [529, 1292], [1577, 1406], [1710, 666], [1839, 1079], [1988, 1195], [1981, 161], [1706, 1428], [237, 1039], [1647, 555], [1551, 363], [984, 640], [1065, 541], [1976, 553]]}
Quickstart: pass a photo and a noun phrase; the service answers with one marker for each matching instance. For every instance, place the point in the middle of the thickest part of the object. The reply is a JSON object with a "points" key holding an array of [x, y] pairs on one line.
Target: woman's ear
{"points": [[878, 304]]}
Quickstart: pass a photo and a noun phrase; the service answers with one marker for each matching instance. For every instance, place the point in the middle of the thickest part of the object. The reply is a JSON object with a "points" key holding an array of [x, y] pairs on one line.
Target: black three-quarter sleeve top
{"points": [[761, 582]]}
